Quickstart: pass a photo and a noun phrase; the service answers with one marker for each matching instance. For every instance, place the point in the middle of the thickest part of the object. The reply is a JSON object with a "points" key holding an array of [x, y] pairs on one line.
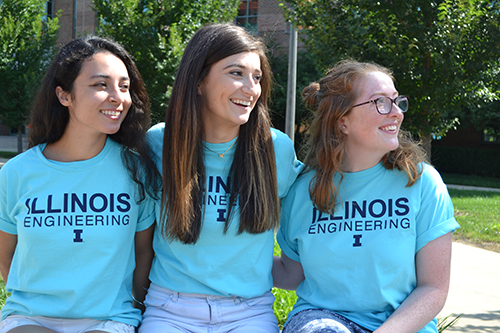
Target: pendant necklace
{"points": [[221, 155]]}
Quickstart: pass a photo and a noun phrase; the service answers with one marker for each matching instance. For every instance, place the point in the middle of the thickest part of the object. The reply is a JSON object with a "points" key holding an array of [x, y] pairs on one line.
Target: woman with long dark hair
{"points": [[77, 207], [224, 170]]}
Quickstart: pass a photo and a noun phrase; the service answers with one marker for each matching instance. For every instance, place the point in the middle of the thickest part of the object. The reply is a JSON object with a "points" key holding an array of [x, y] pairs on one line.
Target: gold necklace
{"points": [[222, 154]]}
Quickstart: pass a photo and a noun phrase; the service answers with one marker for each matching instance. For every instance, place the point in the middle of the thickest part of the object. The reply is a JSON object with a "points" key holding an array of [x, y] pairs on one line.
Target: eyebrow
{"points": [[396, 93], [240, 66], [105, 76]]}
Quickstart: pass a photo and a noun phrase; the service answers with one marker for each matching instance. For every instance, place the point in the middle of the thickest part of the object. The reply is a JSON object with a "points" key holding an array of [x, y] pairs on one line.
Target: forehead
{"points": [[103, 63], [377, 83], [248, 60]]}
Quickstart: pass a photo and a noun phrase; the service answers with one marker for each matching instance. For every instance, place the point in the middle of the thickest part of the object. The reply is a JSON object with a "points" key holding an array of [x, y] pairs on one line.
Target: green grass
{"points": [[3, 293], [470, 180], [285, 299], [478, 214]]}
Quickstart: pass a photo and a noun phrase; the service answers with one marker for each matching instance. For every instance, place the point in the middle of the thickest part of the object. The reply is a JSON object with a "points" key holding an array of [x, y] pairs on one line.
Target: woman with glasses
{"points": [[366, 229]]}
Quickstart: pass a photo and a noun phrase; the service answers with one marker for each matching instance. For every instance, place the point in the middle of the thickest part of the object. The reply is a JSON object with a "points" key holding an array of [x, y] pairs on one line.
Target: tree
{"points": [[444, 54], [156, 32], [27, 40]]}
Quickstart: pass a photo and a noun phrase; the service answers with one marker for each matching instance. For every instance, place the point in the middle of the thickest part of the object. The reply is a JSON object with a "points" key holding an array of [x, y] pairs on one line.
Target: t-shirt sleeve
{"points": [[146, 214], [287, 243], [435, 217], [154, 138], [288, 167], [7, 223]]}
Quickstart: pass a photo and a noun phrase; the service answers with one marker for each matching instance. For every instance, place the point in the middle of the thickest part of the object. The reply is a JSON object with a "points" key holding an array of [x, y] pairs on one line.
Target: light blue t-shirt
{"points": [[360, 261], [75, 225], [222, 264]]}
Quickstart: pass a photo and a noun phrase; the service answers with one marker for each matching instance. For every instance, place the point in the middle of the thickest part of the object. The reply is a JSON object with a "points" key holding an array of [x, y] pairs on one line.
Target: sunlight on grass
{"points": [[285, 299], [3, 293], [478, 214]]}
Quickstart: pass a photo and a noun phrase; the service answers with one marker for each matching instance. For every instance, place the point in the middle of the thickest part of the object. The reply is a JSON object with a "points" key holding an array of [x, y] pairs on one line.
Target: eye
{"points": [[236, 73], [257, 78], [100, 84], [125, 86]]}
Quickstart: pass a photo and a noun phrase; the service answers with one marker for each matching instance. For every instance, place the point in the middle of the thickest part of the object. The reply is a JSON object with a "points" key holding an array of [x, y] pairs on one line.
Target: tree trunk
{"points": [[19, 139]]}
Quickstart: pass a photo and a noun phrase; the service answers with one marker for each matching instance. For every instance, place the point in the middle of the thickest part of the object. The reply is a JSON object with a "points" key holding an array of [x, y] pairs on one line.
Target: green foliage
{"points": [[156, 33], [27, 40], [444, 54], [466, 161]]}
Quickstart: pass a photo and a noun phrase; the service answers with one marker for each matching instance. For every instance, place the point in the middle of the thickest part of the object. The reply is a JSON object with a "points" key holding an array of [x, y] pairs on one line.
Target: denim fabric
{"points": [[173, 312], [64, 325], [321, 321]]}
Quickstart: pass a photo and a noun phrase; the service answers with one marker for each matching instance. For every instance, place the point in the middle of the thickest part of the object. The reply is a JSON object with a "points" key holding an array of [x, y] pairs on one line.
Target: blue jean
{"points": [[173, 312], [321, 321]]}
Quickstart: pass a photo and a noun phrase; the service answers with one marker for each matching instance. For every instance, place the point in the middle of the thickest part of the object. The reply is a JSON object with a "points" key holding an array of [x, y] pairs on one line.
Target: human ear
{"points": [[343, 122], [63, 96]]}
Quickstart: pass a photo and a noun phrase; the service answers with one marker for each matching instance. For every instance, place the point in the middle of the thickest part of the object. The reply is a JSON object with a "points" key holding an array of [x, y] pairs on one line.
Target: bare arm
{"points": [[287, 273], [427, 299], [8, 243], [143, 259]]}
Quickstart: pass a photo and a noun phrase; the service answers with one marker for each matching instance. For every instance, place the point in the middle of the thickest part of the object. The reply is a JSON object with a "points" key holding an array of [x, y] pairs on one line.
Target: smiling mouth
{"points": [[389, 128], [111, 113], [241, 102]]}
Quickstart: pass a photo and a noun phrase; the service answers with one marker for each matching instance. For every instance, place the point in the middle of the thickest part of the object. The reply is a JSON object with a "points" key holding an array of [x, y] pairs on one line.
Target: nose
{"points": [[116, 95], [395, 109], [250, 87]]}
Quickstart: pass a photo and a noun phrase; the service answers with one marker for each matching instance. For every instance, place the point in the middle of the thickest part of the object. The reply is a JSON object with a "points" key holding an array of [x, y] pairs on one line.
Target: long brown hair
{"points": [[253, 171], [331, 99]]}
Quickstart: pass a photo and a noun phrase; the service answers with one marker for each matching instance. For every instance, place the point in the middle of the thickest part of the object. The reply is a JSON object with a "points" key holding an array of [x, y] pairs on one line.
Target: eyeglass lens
{"points": [[384, 104]]}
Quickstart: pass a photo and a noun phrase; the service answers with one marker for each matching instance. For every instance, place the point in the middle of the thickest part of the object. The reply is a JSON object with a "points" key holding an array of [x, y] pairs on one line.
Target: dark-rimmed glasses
{"points": [[384, 104]]}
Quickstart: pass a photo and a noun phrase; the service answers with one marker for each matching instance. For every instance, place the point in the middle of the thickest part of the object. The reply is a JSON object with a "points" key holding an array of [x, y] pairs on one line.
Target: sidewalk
{"points": [[474, 290]]}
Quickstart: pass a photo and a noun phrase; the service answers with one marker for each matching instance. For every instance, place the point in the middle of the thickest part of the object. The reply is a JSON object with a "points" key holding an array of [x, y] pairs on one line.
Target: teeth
{"points": [[242, 102], [111, 113], [390, 128]]}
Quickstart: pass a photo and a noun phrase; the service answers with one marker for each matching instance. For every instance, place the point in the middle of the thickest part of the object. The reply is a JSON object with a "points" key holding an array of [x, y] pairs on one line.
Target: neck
{"points": [[215, 136], [360, 163], [71, 148]]}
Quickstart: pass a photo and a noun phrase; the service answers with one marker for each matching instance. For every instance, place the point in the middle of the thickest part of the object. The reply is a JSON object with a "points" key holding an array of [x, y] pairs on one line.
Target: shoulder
{"points": [[26, 158], [430, 176], [300, 187], [283, 145], [279, 137], [154, 136]]}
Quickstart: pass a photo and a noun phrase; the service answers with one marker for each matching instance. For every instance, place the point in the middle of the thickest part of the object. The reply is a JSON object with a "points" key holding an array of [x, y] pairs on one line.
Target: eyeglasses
{"points": [[384, 104]]}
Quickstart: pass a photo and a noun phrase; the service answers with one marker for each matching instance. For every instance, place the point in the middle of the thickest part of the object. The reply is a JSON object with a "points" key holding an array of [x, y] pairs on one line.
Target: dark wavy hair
{"points": [[332, 98], [253, 170], [49, 118]]}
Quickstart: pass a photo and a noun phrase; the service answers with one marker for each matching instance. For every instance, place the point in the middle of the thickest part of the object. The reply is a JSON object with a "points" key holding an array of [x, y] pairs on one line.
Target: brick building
{"points": [[77, 18]]}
